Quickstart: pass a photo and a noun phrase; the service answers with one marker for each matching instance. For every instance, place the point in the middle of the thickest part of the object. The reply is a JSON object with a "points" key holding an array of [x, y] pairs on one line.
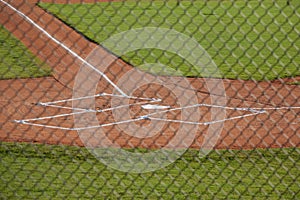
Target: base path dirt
{"points": [[19, 97]]}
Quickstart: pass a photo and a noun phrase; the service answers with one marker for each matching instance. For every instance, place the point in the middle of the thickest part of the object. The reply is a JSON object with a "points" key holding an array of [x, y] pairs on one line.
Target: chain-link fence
{"points": [[150, 99]]}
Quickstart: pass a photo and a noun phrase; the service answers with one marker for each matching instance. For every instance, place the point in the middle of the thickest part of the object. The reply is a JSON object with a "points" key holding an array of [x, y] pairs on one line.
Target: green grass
{"points": [[256, 40], [294, 83], [16, 61], [44, 171]]}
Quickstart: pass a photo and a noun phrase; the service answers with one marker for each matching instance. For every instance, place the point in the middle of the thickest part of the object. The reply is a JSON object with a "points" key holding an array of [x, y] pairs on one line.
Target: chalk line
{"points": [[83, 128], [81, 112], [204, 123], [93, 96], [64, 46], [254, 111]]}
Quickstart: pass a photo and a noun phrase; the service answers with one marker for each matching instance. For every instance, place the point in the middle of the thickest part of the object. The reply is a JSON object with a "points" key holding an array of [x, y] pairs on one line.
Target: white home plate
{"points": [[154, 107]]}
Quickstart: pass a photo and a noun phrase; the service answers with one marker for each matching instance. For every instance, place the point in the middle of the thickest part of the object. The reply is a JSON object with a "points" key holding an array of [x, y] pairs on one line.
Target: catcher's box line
{"points": [[64, 46]]}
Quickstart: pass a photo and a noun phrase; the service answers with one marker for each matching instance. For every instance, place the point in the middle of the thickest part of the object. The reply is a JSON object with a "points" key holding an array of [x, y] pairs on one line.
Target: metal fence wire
{"points": [[150, 99]]}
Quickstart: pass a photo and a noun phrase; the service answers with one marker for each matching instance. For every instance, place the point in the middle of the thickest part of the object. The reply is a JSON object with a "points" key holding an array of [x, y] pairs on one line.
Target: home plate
{"points": [[154, 107]]}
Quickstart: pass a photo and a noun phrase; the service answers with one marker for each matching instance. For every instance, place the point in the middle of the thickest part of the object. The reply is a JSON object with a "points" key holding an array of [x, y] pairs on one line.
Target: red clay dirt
{"points": [[273, 129]]}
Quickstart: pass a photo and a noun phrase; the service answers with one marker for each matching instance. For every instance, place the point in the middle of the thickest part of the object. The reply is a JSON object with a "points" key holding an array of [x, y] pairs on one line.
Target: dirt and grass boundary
{"points": [[277, 129]]}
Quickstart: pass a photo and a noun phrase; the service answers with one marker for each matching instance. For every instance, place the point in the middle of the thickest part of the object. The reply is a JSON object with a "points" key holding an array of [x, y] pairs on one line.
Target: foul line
{"points": [[64, 46]]}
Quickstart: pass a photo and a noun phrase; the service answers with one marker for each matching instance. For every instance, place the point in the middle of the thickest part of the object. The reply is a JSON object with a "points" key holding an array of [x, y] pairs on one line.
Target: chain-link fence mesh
{"points": [[150, 99]]}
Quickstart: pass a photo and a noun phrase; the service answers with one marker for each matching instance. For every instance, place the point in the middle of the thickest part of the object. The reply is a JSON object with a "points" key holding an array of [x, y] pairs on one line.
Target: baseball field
{"points": [[255, 45]]}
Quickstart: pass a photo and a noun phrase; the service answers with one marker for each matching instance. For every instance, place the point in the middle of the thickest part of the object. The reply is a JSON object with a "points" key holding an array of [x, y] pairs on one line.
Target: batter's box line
{"points": [[254, 111]]}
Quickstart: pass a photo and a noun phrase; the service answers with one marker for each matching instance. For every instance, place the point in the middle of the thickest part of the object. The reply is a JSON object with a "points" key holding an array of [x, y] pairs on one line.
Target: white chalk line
{"points": [[22, 121], [52, 103], [254, 111], [65, 128], [84, 110], [204, 123], [81, 112], [65, 107], [63, 46], [67, 100], [94, 96], [83, 128]]}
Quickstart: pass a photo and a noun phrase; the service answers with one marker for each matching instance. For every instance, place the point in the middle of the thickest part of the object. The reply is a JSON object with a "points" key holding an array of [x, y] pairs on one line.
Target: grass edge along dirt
{"points": [[16, 61], [248, 40], [57, 171]]}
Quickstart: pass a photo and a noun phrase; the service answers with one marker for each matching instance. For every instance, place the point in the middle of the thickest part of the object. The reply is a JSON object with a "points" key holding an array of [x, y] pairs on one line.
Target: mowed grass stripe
{"points": [[50, 171], [256, 40]]}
